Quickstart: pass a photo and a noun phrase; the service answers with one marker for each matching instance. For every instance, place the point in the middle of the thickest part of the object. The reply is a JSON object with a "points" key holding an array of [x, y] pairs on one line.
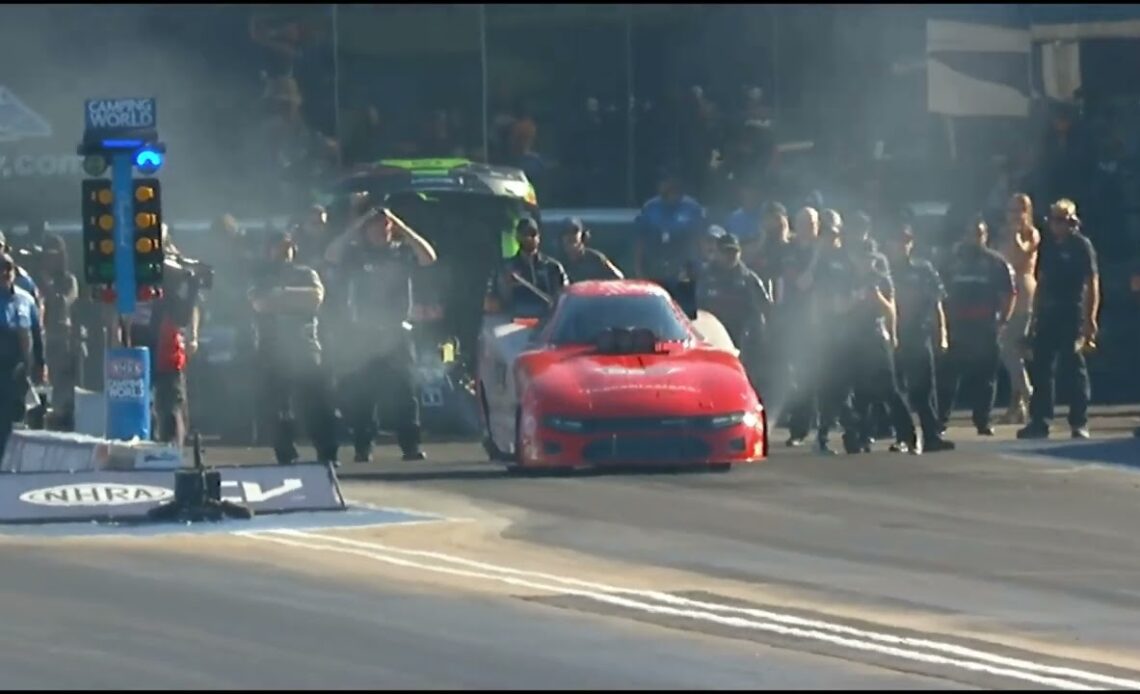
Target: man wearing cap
{"points": [[667, 228], [739, 299], [921, 322], [21, 356], [508, 286], [582, 262], [380, 253], [285, 297], [708, 248]]}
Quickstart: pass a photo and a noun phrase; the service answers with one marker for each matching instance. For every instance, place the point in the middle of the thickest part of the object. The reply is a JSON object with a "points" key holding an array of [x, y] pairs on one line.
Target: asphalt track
{"points": [[1001, 565]]}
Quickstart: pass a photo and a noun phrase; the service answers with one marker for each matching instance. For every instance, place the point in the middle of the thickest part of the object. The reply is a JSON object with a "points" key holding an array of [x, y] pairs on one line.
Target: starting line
{"points": [[350, 518]]}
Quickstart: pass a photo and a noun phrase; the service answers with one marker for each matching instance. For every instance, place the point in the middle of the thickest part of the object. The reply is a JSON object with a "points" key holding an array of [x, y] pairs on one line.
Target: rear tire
{"points": [[720, 467]]}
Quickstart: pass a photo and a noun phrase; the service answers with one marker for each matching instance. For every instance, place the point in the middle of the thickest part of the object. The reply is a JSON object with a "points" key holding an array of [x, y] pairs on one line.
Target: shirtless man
{"points": [[1021, 244]]}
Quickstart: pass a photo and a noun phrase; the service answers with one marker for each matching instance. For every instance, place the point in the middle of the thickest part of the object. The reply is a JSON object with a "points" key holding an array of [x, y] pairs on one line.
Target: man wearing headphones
{"points": [[582, 262]]}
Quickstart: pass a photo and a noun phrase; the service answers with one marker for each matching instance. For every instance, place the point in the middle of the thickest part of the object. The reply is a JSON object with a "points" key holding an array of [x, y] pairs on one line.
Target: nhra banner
{"points": [[128, 496]]}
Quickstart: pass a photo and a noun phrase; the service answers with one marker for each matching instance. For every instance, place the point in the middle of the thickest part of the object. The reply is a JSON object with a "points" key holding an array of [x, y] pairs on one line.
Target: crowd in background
{"points": [[732, 141]]}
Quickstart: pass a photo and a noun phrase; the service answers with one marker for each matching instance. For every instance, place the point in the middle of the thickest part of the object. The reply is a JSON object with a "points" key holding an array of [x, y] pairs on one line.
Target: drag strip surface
{"points": [[108, 617]]}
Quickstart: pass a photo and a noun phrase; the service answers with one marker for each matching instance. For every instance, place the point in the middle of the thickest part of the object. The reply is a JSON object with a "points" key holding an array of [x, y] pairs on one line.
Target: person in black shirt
{"points": [[827, 281], [60, 290], [534, 267], [21, 355], [980, 298], [1064, 322], [794, 328], [855, 299], [583, 263], [921, 321], [168, 326], [764, 251], [286, 297], [732, 292], [380, 254]]}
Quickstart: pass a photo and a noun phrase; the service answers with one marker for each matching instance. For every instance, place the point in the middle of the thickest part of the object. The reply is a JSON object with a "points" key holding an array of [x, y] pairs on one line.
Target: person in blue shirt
{"points": [[667, 231], [747, 221], [21, 354], [23, 279]]}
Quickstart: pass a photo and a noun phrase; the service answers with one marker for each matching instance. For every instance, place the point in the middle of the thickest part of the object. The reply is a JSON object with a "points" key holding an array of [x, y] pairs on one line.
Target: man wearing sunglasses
{"points": [[20, 352], [1063, 325]]}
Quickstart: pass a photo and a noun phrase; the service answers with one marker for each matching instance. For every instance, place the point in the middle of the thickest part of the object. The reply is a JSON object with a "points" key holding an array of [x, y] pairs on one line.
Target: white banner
{"points": [[977, 69], [1061, 69]]}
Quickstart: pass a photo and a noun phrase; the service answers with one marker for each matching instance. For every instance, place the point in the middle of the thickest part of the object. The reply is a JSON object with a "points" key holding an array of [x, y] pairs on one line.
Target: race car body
{"points": [[617, 374]]}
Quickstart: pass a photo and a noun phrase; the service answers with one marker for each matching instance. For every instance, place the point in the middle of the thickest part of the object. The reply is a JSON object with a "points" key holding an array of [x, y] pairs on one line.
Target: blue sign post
{"points": [[127, 392], [125, 131], [122, 174]]}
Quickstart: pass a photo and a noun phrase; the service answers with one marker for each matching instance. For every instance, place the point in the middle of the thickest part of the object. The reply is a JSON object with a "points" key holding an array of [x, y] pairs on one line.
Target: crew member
{"points": [[19, 352], [286, 296], [740, 300], [1064, 322], [980, 298], [582, 262], [23, 277], [168, 326], [921, 325], [708, 249], [764, 251], [60, 291], [380, 253], [535, 268], [797, 346], [312, 235], [667, 229], [828, 282], [856, 299], [858, 230]]}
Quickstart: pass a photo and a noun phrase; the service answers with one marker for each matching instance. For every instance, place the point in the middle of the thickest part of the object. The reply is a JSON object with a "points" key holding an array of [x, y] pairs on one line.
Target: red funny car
{"points": [[617, 374]]}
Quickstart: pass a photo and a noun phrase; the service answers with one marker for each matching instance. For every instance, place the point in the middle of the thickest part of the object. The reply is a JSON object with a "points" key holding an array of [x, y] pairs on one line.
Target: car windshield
{"points": [[580, 318]]}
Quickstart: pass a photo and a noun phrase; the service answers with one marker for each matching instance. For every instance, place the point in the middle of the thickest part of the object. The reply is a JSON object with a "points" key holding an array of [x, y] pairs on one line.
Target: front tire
{"points": [[513, 466], [494, 453]]}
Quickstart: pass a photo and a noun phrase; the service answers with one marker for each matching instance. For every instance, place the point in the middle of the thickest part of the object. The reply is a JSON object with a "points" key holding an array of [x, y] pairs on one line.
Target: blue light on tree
{"points": [[148, 161]]}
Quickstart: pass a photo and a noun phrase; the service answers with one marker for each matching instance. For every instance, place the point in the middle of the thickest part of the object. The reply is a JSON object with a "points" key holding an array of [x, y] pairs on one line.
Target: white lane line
{"points": [[321, 545], [780, 618]]}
